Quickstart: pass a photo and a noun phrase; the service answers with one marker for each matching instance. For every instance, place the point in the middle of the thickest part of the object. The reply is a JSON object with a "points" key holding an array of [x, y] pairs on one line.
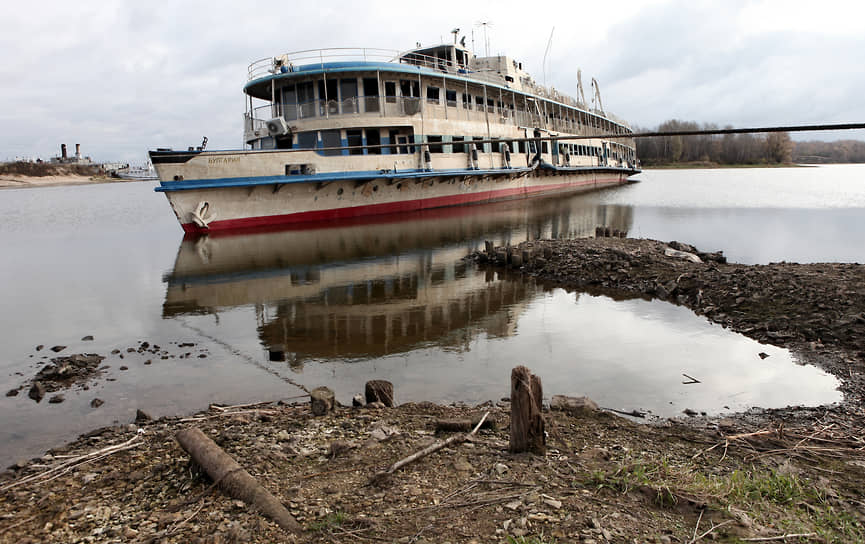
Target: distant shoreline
{"points": [[701, 165], [17, 181]]}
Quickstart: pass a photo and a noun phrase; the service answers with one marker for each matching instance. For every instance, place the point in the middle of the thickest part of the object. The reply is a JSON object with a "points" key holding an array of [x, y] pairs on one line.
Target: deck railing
{"points": [[288, 62], [400, 106]]}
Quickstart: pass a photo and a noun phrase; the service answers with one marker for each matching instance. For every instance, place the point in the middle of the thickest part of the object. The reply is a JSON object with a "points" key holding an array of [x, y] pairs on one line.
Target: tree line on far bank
{"points": [[744, 149]]}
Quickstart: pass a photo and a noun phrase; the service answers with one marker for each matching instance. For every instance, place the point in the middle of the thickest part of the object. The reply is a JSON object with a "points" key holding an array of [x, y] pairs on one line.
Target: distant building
{"points": [[76, 159]]}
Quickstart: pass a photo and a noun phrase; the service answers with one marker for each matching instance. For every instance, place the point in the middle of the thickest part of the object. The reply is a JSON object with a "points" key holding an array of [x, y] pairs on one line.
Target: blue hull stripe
{"points": [[332, 176]]}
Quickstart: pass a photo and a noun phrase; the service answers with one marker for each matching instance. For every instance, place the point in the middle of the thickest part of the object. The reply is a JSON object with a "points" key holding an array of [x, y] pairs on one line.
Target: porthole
{"points": [[339, 191]]}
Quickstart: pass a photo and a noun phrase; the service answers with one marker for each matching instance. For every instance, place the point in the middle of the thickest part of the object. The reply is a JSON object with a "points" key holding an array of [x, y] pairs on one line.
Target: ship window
{"points": [[370, 93], [289, 102], [330, 138], [306, 140], [390, 91], [451, 97], [354, 139], [435, 144], [521, 146], [327, 90], [432, 95], [479, 101], [545, 147], [409, 88], [329, 96], [459, 146], [373, 138], [306, 100], [348, 95], [467, 101]]}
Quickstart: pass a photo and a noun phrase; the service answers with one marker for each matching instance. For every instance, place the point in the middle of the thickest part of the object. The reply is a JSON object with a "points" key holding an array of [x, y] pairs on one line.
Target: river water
{"points": [[241, 318]]}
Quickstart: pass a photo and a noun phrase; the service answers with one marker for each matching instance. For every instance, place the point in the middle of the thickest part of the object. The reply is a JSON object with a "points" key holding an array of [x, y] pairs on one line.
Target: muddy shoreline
{"points": [[761, 474]]}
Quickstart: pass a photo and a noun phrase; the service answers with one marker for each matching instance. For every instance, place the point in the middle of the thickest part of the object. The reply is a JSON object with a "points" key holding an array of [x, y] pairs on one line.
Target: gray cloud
{"points": [[123, 77]]}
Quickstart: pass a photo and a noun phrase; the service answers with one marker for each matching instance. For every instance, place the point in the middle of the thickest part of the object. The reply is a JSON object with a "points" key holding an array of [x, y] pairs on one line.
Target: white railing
{"points": [[288, 61]]}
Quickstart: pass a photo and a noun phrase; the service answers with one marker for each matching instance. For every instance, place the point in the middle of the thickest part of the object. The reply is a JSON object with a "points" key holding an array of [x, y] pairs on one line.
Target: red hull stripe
{"points": [[395, 207]]}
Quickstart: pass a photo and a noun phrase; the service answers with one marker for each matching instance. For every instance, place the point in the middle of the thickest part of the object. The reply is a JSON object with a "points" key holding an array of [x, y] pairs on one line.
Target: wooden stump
{"points": [[321, 400], [276, 353], [379, 391], [527, 423]]}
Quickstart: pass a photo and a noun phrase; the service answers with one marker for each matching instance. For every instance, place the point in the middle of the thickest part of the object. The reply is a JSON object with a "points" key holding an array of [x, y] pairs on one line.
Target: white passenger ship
{"points": [[341, 133]]}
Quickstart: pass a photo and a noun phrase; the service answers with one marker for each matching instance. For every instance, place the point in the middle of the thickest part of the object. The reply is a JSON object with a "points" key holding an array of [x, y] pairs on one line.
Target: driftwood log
{"points": [[527, 423], [232, 479], [456, 439], [379, 391], [463, 425]]}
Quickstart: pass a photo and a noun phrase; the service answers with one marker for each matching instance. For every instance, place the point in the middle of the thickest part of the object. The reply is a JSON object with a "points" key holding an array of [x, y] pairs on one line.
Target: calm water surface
{"points": [[392, 299]]}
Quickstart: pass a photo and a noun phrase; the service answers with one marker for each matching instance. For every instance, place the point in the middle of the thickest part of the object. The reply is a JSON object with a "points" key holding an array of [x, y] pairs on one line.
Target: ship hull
{"points": [[266, 205]]}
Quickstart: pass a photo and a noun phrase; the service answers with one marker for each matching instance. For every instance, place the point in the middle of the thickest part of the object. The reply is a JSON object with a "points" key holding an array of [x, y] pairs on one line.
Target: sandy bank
{"points": [[18, 181]]}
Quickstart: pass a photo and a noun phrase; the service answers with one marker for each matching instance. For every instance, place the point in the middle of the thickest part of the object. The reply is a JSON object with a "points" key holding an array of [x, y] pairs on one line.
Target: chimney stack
{"points": [[63, 151], [78, 151]]}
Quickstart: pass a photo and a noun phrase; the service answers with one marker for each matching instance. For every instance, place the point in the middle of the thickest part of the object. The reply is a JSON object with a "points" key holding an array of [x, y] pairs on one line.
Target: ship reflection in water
{"points": [[378, 287], [392, 297]]}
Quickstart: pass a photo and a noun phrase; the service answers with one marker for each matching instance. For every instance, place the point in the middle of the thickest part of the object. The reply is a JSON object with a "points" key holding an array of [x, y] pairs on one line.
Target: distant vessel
{"points": [[136, 173], [338, 133]]}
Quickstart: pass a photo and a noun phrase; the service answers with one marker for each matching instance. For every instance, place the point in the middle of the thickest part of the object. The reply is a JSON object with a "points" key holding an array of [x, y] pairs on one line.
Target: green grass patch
{"points": [[328, 522]]}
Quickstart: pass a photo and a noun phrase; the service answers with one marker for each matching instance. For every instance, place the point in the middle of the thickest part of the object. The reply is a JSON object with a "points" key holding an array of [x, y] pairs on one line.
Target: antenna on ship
{"points": [[596, 97], [455, 32], [581, 96], [484, 24], [544, 63]]}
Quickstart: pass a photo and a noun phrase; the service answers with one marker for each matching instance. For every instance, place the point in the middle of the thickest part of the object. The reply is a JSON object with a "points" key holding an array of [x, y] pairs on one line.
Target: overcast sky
{"points": [[122, 77]]}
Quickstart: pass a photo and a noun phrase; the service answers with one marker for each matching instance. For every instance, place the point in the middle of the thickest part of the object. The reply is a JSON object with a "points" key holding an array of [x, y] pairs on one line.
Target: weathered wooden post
{"points": [[516, 259], [379, 391], [321, 401], [527, 423]]}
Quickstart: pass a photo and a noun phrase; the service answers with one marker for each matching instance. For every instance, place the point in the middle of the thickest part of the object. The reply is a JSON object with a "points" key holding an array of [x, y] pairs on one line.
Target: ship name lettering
{"points": [[222, 160]]}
